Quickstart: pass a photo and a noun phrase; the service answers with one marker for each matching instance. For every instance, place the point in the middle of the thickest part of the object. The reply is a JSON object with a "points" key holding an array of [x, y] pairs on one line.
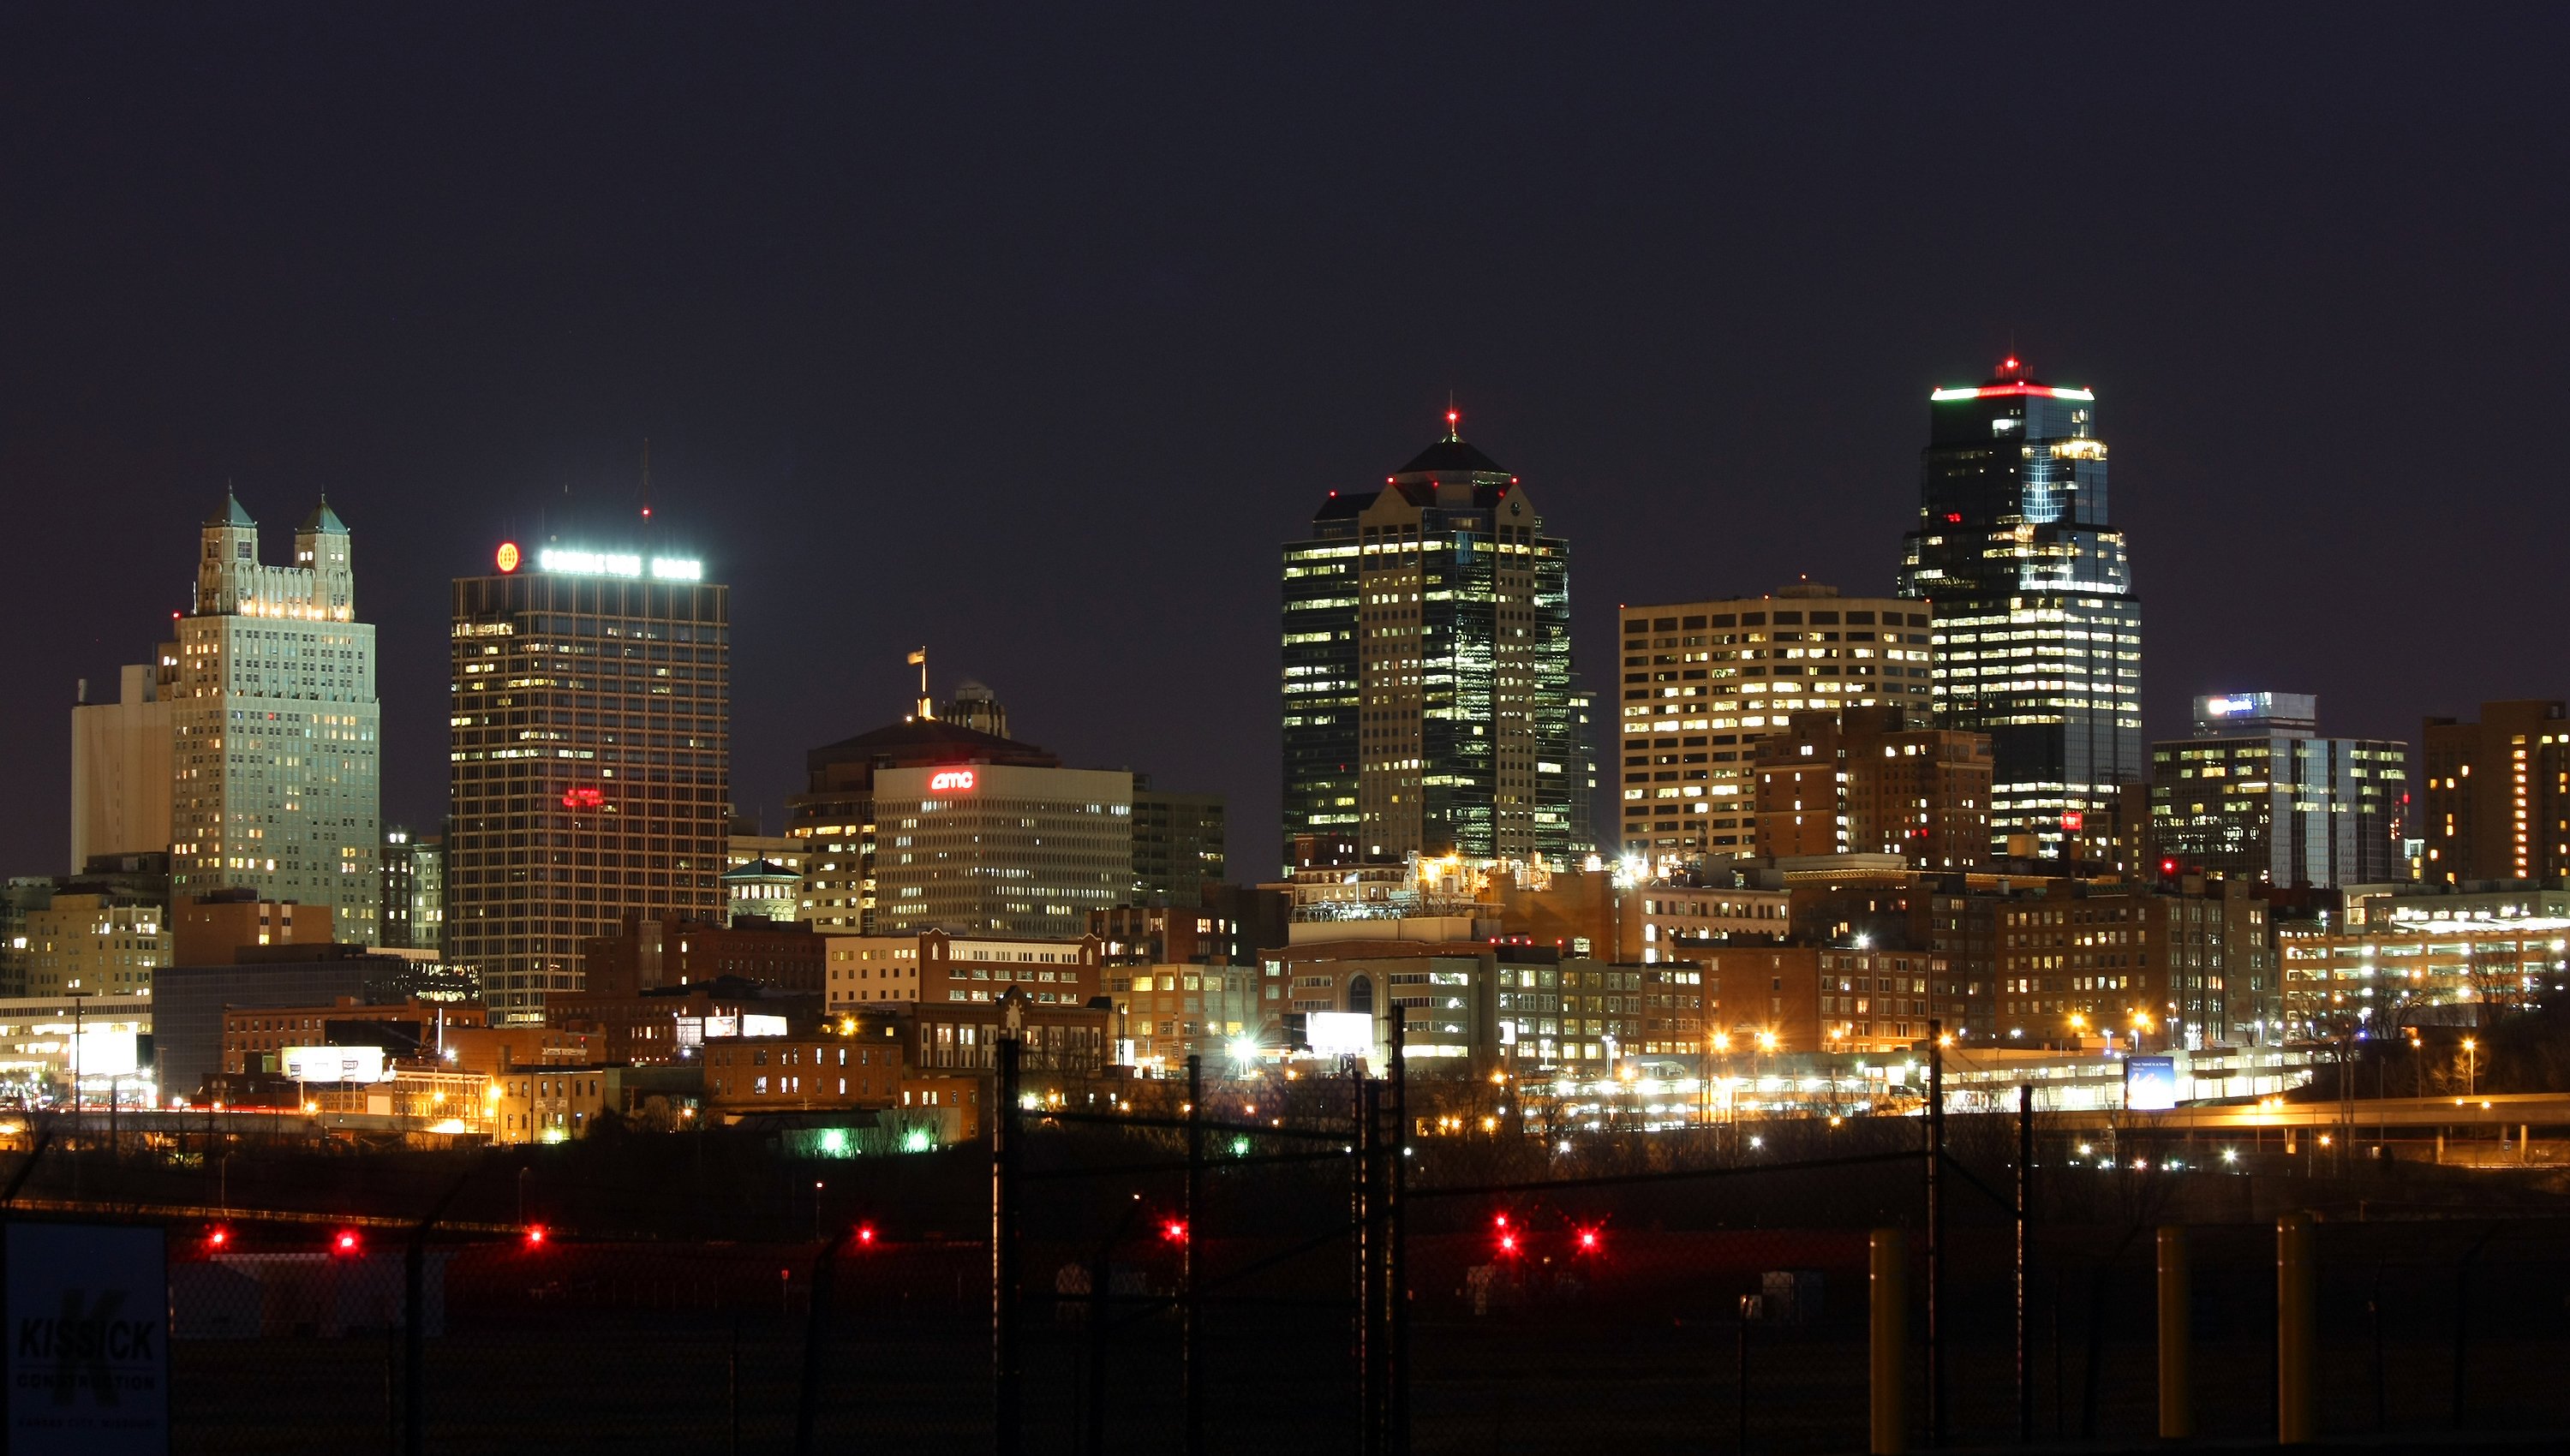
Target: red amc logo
{"points": [[950, 778]]}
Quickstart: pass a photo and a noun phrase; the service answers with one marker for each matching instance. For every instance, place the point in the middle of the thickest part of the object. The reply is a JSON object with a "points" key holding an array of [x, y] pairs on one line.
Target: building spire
{"points": [[1454, 419], [646, 489], [927, 706]]}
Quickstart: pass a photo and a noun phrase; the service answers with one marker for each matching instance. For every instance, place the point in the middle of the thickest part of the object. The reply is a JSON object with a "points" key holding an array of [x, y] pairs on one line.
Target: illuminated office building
{"points": [[1705, 681], [2495, 798], [2257, 795], [591, 768], [275, 757], [1427, 668], [2039, 634]]}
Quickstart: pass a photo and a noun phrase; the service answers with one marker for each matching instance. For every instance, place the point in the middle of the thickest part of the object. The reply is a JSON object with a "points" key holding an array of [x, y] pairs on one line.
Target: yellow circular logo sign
{"points": [[508, 555]]}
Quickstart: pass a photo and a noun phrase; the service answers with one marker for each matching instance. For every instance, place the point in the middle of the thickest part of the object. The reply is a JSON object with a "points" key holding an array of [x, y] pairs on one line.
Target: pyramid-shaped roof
{"points": [[322, 522]]}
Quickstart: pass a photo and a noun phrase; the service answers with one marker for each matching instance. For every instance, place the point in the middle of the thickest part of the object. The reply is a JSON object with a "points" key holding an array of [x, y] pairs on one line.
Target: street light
{"points": [[2472, 1065]]}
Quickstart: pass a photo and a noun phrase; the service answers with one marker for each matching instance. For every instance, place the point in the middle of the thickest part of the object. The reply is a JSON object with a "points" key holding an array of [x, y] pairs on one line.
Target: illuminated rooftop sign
{"points": [[571, 562], [2004, 391], [950, 778]]}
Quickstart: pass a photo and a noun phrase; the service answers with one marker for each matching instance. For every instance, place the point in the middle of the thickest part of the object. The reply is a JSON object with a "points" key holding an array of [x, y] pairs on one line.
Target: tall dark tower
{"points": [[1427, 668], [589, 749], [2039, 632]]}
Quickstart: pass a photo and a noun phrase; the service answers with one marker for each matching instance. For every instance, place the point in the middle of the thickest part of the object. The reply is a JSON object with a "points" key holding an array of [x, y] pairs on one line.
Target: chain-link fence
{"points": [[1326, 1262]]}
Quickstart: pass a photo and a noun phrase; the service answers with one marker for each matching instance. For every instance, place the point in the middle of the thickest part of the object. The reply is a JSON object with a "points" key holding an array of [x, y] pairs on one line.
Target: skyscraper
{"points": [[2039, 632], [2496, 798], [276, 758], [1704, 681], [2257, 795], [589, 775], [1427, 667]]}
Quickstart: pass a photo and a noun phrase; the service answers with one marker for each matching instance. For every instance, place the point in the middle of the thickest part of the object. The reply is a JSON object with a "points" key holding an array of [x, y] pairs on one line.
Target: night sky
{"points": [[1030, 333]]}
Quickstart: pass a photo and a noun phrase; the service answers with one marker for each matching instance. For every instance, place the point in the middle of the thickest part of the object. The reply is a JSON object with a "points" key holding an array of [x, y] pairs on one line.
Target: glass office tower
{"points": [[2039, 632], [1428, 701], [591, 761]]}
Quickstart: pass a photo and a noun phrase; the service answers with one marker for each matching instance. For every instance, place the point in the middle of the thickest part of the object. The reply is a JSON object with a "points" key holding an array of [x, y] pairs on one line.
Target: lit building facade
{"points": [[276, 760], [2391, 960], [1869, 781], [833, 821], [2495, 799], [589, 774], [1427, 668], [2256, 795], [2039, 632], [96, 943], [122, 776], [2188, 965], [1001, 848], [1704, 681]]}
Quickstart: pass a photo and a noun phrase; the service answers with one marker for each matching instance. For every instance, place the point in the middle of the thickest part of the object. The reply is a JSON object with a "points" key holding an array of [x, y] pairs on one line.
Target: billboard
{"points": [[88, 1353], [2150, 1084], [1340, 1034], [754, 1025], [334, 1064]]}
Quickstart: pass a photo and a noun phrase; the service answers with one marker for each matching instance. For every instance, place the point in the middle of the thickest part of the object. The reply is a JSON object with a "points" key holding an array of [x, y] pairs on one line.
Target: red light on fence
{"points": [[534, 1235], [345, 1242], [1590, 1241], [1507, 1243], [866, 1234], [218, 1238], [1175, 1230]]}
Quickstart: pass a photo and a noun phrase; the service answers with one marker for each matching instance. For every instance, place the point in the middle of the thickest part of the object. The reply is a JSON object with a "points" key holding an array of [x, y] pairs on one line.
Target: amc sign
{"points": [[950, 781]]}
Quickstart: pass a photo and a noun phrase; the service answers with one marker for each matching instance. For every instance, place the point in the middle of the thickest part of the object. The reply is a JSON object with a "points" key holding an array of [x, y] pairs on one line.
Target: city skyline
{"points": [[447, 379]]}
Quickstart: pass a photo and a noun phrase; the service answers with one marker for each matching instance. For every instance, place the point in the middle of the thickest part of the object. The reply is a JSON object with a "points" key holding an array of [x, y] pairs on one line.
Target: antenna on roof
{"points": [[644, 491], [1454, 418], [919, 659]]}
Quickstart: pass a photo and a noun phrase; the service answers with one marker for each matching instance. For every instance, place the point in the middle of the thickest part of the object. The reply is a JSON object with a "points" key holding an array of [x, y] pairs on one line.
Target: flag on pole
{"points": [[919, 659]]}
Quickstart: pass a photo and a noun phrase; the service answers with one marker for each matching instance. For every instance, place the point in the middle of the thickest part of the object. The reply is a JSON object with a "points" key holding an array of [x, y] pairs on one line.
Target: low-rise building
{"points": [[1804, 998], [2163, 965], [103, 942], [214, 928], [667, 1024], [1165, 1013], [863, 970], [983, 968], [649, 952], [2397, 957]]}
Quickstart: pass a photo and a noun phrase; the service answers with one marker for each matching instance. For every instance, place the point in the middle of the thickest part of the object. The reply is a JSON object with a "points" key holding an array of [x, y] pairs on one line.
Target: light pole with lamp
{"points": [[2471, 1066]]}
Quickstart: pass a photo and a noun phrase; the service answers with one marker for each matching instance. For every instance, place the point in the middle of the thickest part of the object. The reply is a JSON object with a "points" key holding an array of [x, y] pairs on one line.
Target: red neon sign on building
{"points": [[945, 779], [583, 795]]}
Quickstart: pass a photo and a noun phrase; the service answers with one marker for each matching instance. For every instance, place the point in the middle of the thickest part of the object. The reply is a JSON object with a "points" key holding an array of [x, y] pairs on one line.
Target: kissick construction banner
{"points": [[89, 1340]]}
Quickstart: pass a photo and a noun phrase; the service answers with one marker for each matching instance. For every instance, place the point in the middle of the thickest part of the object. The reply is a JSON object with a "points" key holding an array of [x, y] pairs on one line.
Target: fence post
{"points": [[2296, 1409], [1889, 1298], [2176, 1409], [2463, 1315], [816, 1325], [1008, 1372], [1369, 1288], [1936, 1392], [1191, 1312], [1396, 1245], [414, 1320], [2024, 1216]]}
